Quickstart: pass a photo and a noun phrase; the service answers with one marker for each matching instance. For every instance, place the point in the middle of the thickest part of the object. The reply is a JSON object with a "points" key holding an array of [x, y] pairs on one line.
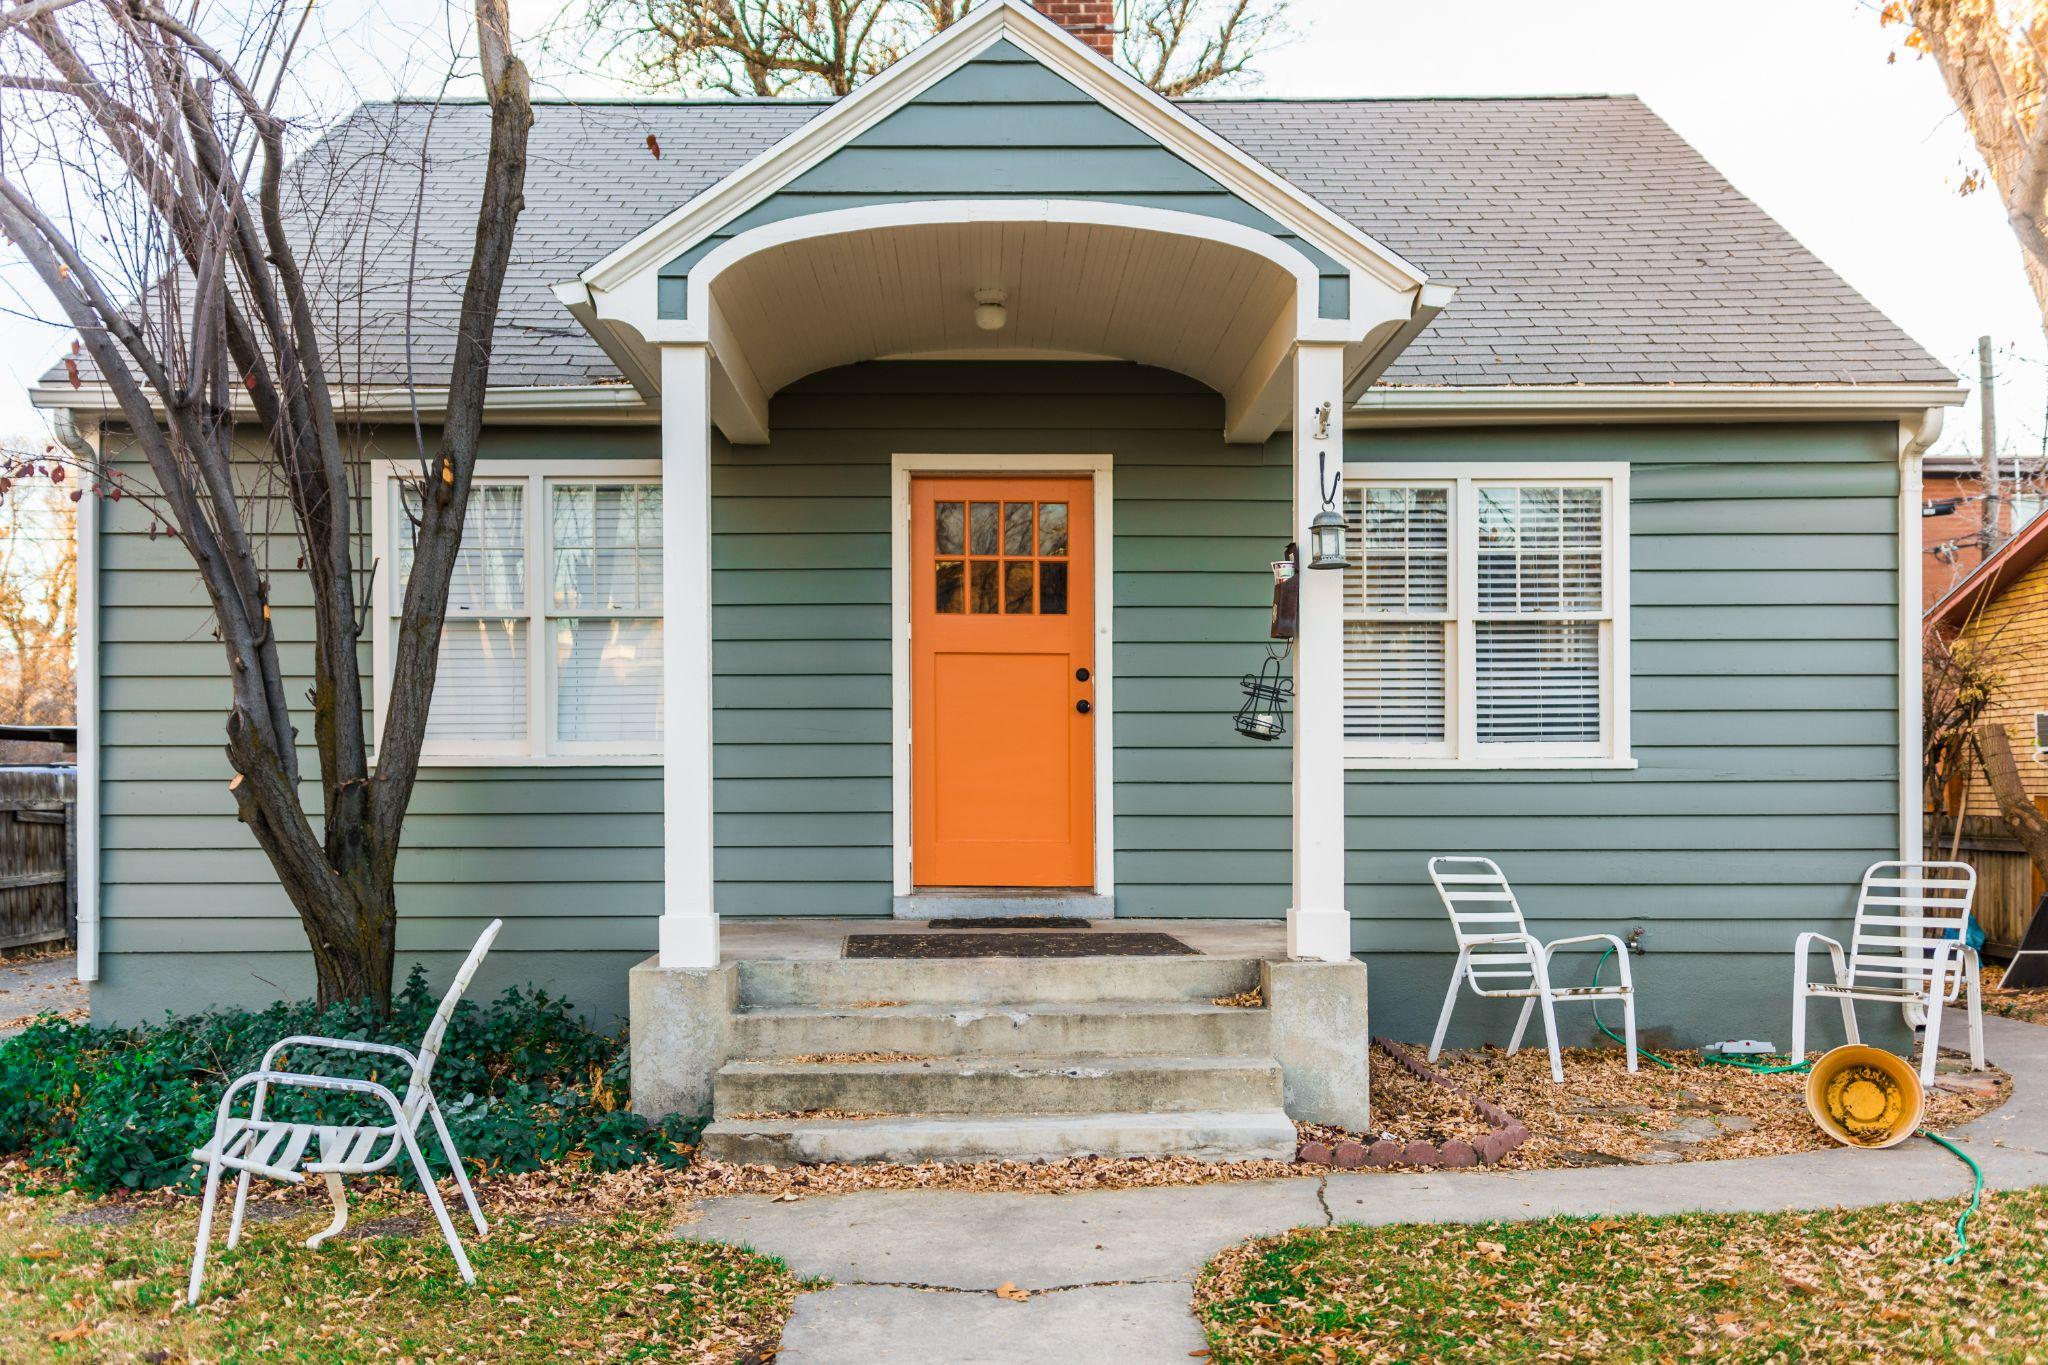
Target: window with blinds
{"points": [[1480, 618], [553, 643]]}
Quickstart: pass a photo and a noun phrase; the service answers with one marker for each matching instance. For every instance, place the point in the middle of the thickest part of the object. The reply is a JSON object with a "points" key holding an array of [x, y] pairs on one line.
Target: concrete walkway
{"points": [[31, 985], [1111, 1274]]}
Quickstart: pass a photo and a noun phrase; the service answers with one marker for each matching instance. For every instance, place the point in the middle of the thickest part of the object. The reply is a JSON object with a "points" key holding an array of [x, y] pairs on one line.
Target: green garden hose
{"points": [[1601, 1024]]}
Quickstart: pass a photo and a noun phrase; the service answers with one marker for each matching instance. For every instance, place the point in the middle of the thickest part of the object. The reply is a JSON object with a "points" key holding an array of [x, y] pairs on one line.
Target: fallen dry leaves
{"points": [[2030, 1006]]}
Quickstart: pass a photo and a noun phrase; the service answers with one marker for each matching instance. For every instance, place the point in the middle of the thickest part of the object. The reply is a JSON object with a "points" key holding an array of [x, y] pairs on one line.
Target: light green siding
{"points": [[1003, 126], [1765, 698]]}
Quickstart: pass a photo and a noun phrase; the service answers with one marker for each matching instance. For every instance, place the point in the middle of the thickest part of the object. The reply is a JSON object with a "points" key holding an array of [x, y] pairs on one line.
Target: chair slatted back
{"points": [[1909, 918], [430, 1044], [1476, 895]]}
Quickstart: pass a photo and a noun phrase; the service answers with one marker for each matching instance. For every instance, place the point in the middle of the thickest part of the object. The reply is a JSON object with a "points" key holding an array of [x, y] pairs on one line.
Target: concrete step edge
{"points": [[981, 1063], [1210, 1135]]}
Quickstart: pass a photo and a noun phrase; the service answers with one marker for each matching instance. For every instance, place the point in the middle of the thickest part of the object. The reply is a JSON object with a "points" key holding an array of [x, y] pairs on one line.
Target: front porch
{"points": [[804, 1050]]}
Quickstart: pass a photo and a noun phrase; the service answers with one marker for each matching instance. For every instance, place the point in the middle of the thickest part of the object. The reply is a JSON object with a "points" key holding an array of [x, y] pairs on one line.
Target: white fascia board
{"points": [[1511, 403], [594, 403], [939, 57]]}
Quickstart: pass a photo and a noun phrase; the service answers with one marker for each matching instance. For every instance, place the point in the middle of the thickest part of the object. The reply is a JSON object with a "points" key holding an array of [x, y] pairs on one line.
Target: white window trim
{"points": [[541, 750], [1461, 749]]}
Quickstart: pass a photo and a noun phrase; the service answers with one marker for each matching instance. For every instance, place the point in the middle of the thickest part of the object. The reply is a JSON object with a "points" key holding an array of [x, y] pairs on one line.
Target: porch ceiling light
{"points": [[989, 313]]}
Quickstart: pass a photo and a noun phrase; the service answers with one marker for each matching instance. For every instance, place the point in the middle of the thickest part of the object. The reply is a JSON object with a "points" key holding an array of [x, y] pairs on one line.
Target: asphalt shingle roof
{"points": [[1588, 242]]}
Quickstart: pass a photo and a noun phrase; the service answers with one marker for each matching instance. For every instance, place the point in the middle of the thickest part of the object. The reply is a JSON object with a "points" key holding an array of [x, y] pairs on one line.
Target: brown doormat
{"points": [[1009, 922], [1016, 945]]}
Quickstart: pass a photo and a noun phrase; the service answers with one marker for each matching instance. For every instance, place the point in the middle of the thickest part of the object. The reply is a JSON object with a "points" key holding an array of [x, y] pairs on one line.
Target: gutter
{"points": [[543, 403], [1421, 406], [1430, 300]]}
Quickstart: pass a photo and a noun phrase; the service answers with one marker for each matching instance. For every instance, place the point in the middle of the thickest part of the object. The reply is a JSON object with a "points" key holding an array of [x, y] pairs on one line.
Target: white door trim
{"points": [[901, 468]]}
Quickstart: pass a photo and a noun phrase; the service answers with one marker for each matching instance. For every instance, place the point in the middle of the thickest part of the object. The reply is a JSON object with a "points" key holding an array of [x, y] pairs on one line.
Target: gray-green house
{"points": [[881, 497]]}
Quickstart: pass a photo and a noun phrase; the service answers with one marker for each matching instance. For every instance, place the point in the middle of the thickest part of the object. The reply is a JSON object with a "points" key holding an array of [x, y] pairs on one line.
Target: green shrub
{"points": [[522, 1082]]}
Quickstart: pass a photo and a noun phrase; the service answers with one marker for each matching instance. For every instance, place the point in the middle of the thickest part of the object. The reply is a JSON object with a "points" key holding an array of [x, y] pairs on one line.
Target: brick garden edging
{"points": [[1504, 1133]]}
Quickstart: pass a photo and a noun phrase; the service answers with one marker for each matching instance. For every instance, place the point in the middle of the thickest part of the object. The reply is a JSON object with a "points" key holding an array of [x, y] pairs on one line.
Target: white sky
{"points": [[1792, 99]]}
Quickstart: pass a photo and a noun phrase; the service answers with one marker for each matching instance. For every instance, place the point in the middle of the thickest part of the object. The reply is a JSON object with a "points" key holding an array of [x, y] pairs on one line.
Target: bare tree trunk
{"points": [[1994, 72], [2022, 817]]}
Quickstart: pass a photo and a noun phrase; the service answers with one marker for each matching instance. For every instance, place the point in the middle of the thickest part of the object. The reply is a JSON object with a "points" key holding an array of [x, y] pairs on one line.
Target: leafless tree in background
{"points": [[828, 47], [143, 176], [38, 606]]}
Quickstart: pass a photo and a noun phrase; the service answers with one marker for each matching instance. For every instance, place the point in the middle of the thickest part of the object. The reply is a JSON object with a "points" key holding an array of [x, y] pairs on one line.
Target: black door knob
{"points": [[1080, 675], [1083, 707]]}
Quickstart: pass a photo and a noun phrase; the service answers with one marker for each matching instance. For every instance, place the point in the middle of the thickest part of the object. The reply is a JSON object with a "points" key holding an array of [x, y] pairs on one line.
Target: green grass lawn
{"points": [[1855, 1285], [610, 1286]]}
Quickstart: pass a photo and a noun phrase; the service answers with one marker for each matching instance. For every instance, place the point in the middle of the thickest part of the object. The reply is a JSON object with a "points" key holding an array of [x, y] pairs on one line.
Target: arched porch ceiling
{"points": [[1199, 307]]}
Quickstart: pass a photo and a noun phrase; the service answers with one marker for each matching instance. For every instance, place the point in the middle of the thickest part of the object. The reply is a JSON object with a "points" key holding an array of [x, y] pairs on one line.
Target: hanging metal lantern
{"points": [[1266, 696], [1326, 529], [1326, 540]]}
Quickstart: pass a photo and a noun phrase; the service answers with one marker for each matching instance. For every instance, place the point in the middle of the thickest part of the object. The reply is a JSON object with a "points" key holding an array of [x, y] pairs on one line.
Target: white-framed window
{"points": [[552, 651], [1486, 616]]}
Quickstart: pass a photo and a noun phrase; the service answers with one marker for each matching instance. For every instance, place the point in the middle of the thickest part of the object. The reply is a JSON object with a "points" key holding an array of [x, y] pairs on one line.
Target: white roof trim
{"points": [[939, 57], [1476, 405], [534, 403]]}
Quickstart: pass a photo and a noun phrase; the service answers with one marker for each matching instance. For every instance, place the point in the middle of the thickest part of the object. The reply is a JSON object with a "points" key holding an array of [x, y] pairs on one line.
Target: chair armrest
{"points": [[1497, 940], [335, 1045], [1805, 942], [1803, 946], [296, 1081], [1577, 939]]}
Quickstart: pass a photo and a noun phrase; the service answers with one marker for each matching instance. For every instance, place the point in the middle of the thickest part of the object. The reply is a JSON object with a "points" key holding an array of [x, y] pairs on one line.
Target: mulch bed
{"points": [[1427, 1120]]}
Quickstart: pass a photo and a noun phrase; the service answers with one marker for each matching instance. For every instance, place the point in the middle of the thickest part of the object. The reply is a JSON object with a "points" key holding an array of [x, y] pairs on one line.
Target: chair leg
{"points": [[1443, 1021], [205, 1232], [1550, 1034], [476, 1215], [338, 1197], [419, 1165], [1973, 993], [1931, 1047], [241, 1203], [1521, 1025], [1628, 1026]]}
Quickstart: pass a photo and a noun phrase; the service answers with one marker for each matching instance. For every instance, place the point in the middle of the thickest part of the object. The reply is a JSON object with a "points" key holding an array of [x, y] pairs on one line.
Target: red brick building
{"points": [[1952, 517]]}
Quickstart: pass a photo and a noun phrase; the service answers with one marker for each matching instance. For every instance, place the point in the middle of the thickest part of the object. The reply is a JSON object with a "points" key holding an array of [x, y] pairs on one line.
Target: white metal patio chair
{"points": [[1910, 948], [1501, 960], [290, 1151]]}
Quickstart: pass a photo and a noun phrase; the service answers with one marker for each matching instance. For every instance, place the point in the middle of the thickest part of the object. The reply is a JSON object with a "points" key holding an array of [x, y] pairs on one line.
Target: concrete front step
{"points": [[1218, 1135], [1170, 1028], [781, 984], [999, 1085]]}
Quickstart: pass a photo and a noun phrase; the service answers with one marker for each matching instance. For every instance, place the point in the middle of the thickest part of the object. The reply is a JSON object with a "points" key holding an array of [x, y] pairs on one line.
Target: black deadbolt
{"points": [[1083, 707], [1080, 675]]}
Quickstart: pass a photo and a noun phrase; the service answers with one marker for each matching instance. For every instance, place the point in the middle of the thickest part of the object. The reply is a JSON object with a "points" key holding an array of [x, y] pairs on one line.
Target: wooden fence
{"points": [[38, 855], [2008, 888]]}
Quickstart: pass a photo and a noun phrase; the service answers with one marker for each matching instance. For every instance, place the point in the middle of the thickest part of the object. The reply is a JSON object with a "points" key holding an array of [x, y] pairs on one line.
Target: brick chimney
{"points": [[1092, 21]]}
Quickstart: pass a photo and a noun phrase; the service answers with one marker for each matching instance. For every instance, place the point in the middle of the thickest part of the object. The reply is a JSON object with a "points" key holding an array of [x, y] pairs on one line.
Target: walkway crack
{"points": [[1323, 1198]]}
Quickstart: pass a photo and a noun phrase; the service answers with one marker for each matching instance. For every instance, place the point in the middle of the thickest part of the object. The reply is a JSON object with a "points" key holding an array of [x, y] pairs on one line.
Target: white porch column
{"points": [[689, 920], [1317, 924]]}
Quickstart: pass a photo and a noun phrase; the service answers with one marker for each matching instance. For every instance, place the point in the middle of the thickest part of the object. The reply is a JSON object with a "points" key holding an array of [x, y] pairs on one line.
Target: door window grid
{"points": [[1000, 557]]}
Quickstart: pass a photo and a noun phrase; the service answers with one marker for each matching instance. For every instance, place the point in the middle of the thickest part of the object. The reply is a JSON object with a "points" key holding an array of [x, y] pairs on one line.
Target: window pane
{"points": [[1052, 528], [607, 547], [1052, 589], [490, 567], [1539, 682], [1016, 528], [949, 521], [480, 687], [1394, 682], [1017, 586], [1541, 550], [985, 573], [608, 680], [983, 534], [1403, 561], [952, 587]]}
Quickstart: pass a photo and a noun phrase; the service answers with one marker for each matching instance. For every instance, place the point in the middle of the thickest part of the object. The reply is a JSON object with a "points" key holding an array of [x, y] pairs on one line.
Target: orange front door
{"points": [[1002, 628]]}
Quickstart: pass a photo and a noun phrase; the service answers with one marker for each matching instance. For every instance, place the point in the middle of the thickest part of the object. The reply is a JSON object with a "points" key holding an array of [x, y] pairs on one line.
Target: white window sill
{"points": [[536, 761], [1519, 763]]}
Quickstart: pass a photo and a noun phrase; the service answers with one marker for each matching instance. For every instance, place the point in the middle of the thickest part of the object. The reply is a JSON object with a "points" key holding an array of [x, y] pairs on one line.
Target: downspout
{"points": [[1914, 439], [86, 675]]}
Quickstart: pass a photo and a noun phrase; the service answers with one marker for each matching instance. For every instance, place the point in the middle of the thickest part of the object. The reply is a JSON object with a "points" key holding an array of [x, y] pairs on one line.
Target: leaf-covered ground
{"points": [[1837, 1286], [81, 1281], [2031, 1006]]}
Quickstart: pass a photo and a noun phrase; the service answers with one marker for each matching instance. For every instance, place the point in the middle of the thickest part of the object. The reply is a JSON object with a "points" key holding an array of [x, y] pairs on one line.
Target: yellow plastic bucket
{"points": [[1865, 1097]]}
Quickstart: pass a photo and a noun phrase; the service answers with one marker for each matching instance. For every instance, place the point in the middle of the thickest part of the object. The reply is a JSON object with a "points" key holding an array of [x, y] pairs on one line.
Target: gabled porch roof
{"points": [[1220, 293]]}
